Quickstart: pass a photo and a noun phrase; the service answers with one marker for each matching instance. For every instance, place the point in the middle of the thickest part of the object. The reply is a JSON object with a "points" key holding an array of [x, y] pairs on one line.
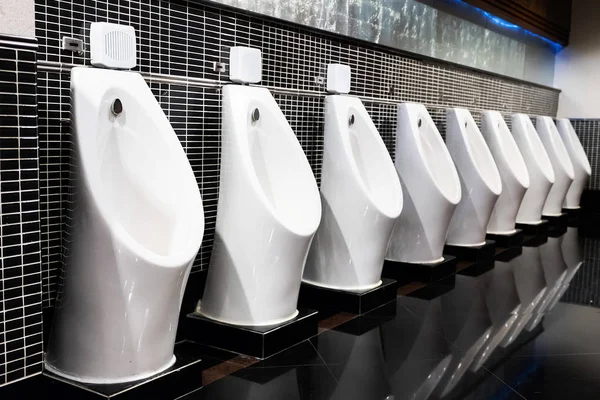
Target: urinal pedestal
{"points": [[535, 234], [255, 341], [507, 241], [321, 298], [405, 272], [573, 216], [177, 380], [473, 260], [478, 253], [557, 224]]}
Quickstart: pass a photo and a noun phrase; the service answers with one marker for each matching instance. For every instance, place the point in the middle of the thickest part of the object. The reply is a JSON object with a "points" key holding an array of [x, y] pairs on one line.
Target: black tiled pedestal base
{"points": [[320, 298], [404, 272], [256, 341], [540, 229], [535, 234], [479, 253], [514, 239], [557, 224], [573, 216]]}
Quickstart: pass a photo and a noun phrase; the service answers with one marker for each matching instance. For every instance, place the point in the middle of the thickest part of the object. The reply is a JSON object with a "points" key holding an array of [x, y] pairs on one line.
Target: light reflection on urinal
{"points": [[357, 363], [430, 186], [466, 323], [541, 173], [136, 228], [361, 198], [531, 287], [268, 211], [416, 354], [561, 163], [502, 300], [581, 164], [481, 184], [513, 172], [572, 248], [555, 272]]}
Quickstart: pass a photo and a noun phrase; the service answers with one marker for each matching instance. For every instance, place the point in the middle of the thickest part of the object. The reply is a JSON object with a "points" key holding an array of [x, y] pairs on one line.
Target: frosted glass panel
{"points": [[420, 28]]}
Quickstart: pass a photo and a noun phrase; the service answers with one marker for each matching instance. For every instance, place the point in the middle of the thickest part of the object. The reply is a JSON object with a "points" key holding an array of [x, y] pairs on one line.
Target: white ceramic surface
{"points": [[541, 173], [268, 212], [361, 198], [561, 163], [137, 226], [430, 186], [581, 164], [513, 172], [481, 184]]}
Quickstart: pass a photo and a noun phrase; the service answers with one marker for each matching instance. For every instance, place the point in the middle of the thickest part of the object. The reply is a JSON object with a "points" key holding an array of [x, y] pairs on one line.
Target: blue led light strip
{"points": [[508, 25]]}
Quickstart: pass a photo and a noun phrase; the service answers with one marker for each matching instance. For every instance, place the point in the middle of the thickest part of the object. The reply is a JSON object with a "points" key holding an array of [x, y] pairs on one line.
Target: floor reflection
{"points": [[442, 348]]}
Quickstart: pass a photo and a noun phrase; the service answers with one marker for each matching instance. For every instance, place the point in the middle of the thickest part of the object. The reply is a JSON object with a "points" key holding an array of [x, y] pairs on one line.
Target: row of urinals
{"points": [[441, 347], [138, 221]]}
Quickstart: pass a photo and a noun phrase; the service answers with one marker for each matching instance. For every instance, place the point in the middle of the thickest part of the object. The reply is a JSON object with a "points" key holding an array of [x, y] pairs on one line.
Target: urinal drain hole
{"points": [[419, 123], [116, 107], [351, 120], [255, 116]]}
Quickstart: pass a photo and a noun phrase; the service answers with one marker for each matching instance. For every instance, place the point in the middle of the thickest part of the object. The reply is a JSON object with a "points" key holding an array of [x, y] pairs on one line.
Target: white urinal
{"points": [[268, 211], [360, 194], [481, 184], [541, 173], [581, 164], [561, 163], [137, 226], [430, 185], [513, 172]]}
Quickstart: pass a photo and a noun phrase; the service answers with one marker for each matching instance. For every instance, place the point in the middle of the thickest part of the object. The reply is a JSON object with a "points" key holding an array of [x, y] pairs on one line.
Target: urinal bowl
{"points": [[137, 225], [541, 173], [561, 163], [481, 184], [581, 164], [268, 212], [430, 185], [512, 169], [361, 199]]}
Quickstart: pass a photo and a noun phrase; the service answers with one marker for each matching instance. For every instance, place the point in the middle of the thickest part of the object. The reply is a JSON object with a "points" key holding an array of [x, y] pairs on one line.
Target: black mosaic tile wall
{"points": [[182, 40], [20, 266], [588, 131], [585, 286]]}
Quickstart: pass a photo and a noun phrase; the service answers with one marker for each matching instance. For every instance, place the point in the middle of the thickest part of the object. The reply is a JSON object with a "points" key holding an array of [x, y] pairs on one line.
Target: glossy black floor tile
{"points": [[526, 328], [314, 382]]}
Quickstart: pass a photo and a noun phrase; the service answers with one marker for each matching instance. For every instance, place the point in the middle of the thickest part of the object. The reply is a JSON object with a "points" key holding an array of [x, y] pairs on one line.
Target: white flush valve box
{"points": [[338, 78], [245, 65], [112, 45]]}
